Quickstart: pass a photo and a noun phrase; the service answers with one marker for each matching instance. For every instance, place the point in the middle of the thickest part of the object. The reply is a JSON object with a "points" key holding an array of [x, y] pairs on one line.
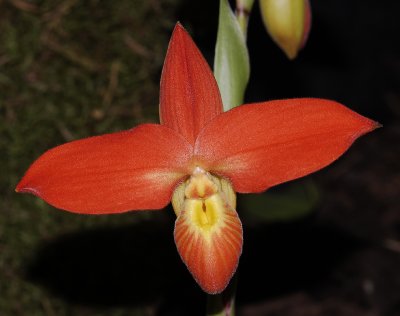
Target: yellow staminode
{"points": [[205, 201], [205, 214], [200, 185]]}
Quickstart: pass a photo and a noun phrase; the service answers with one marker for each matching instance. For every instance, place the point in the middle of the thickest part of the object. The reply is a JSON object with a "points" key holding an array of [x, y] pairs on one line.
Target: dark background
{"points": [[57, 82]]}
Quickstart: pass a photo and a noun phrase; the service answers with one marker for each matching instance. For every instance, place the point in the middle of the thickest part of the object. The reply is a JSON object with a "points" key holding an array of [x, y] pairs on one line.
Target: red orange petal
{"points": [[260, 145], [189, 95], [130, 170]]}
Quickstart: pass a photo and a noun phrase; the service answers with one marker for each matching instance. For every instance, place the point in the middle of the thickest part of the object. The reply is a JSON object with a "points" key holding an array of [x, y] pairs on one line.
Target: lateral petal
{"points": [[260, 145], [189, 95], [112, 173]]}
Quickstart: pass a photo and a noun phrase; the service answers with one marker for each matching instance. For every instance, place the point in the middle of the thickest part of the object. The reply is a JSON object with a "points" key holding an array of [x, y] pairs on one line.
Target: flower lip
{"points": [[208, 232]]}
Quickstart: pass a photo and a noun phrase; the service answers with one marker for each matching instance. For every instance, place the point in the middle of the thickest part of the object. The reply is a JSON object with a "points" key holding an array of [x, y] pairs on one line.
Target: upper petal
{"points": [[260, 145], [130, 170], [189, 95]]}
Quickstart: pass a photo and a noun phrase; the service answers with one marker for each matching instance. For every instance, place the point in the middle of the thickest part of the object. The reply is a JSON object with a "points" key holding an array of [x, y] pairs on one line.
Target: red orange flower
{"points": [[198, 157]]}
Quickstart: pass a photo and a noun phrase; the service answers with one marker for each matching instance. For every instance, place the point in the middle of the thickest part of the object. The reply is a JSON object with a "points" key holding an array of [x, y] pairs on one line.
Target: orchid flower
{"points": [[198, 157]]}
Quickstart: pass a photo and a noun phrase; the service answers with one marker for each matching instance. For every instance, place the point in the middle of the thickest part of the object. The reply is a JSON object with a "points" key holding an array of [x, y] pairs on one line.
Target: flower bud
{"points": [[288, 22]]}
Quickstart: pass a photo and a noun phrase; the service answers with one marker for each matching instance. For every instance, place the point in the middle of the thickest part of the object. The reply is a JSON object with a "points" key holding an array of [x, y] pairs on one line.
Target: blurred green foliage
{"points": [[68, 69], [288, 202]]}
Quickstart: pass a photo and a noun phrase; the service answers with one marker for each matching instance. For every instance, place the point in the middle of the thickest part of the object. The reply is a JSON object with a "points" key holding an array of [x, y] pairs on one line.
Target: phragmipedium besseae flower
{"points": [[198, 157]]}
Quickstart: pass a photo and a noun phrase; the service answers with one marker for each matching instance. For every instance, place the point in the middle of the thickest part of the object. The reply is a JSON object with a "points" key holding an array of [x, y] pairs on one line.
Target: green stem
{"points": [[223, 304]]}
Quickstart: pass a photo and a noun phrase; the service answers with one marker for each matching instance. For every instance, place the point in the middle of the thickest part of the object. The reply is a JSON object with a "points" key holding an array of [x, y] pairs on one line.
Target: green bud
{"points": [[288, 22]]}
